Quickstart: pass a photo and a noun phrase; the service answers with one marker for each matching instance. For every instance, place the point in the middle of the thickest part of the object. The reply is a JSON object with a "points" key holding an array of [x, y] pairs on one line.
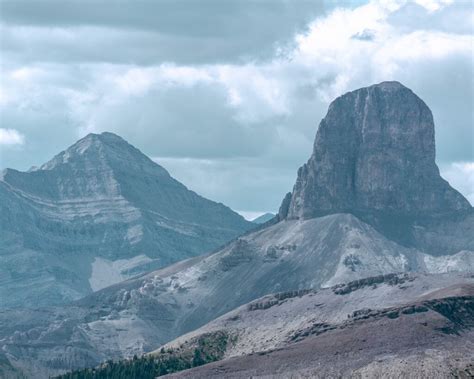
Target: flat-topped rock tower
{"points": [[374, 151]]}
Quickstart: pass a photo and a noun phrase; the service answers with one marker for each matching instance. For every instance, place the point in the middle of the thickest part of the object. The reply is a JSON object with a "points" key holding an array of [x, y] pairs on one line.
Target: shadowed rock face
{"points": [[374, 151]]}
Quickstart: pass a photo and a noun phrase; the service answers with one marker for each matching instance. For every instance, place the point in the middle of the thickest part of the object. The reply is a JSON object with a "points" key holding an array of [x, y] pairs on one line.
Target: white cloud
{"points": [[135, 81], [25, 73], [185, 75], [461, 176], [139, 80], [11, 137], [434, 5], [257, 92], [330, 46]]}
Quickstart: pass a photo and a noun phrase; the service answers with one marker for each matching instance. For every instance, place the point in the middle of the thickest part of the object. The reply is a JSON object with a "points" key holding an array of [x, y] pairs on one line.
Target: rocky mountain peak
{"points": [[100, 150], [97, 165], [97, 213], [374, 151]]}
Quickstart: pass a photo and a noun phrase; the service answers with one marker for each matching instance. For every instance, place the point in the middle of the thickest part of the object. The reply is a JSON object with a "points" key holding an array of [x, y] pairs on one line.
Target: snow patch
{"points": [[462, 262], [106, 272]]}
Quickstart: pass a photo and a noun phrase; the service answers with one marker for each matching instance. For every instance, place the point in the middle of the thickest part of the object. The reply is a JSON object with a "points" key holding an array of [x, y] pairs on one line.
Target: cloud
{"points": [[433, 5], [461, 176], [364, 35], [234, 181], [151, 32], [451, 18], [11, 137], [232, 109]]}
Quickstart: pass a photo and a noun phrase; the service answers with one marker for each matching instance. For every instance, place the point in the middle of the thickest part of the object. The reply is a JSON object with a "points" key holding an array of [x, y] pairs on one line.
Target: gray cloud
{"points": [[227, 96], [237, 180], [146, 32], [183, 122], [451, 19], [179, 17], [448, 89], [365, 35]]}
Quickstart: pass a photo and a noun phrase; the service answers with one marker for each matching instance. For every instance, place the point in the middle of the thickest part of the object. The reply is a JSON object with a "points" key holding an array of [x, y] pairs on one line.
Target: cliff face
{"points": [[374, 151]]}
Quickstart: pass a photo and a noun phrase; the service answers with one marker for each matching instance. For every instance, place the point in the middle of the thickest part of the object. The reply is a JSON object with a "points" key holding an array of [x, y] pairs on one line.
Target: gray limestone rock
{"points": [[374, 151]]}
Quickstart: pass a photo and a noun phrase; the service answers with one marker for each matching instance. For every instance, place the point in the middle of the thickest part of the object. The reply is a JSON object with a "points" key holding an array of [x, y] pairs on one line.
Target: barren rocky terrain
{"points": [[402, 326]]}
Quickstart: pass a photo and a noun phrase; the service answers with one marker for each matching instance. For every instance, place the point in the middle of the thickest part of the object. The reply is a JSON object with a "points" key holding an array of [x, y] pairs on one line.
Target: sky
{"points": [[226, 95]]}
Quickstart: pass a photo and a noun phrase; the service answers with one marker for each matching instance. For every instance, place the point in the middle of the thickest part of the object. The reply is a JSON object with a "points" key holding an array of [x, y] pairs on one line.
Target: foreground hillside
{"points": [[96, 214], [428, 339], [394, 325]]}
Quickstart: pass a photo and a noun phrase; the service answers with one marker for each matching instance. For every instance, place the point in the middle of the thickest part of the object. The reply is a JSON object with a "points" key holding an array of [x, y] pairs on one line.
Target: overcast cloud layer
{"points": [[226, 95]]}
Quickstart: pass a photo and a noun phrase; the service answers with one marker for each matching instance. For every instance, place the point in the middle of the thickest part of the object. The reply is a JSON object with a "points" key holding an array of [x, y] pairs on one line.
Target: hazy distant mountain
{"points": [[96, 214], [329, 230], [263, 218]]}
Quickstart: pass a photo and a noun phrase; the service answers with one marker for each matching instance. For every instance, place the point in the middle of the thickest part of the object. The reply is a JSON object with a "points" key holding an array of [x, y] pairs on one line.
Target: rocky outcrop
{"points": [[374, 151], [284, 207]]}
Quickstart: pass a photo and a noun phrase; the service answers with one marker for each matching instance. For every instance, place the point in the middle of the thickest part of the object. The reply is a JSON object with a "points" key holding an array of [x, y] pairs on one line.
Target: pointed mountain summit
{"points": [[106, 166], [109, 150], [92, 167], [374, 151], [96, 214]]}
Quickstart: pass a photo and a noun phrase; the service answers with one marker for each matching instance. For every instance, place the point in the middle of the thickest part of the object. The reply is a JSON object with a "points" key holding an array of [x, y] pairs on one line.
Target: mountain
{"points": [[374, 151], [96, 214], [263, 218], [294, 252]]}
